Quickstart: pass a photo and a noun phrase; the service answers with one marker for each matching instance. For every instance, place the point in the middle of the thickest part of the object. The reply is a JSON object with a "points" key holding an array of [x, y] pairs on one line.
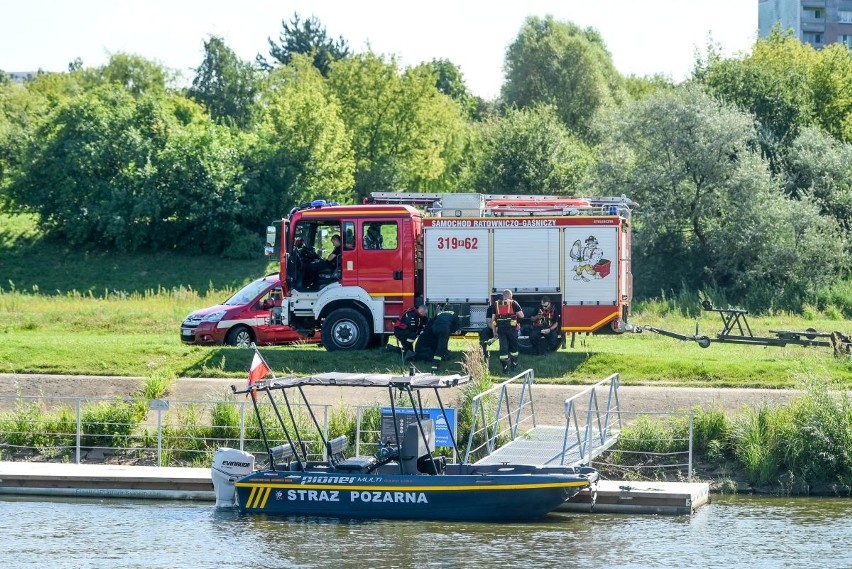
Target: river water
{"points": [[733, 531]]}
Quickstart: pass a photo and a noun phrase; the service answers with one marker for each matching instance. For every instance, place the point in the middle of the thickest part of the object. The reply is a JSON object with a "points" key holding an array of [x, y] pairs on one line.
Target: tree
{"points": [[820, 167], [711, 212], [405, 133], [308, 37], [530, 151], [831, 84], [112, 170], [559, 64], [772, 83], [225, 85], [449, 80], [303, 150], [136, 74]]}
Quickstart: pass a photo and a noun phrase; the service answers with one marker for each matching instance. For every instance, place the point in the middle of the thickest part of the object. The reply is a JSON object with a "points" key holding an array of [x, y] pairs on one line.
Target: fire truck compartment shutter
{"points": [[456, 262], [526, 259]]}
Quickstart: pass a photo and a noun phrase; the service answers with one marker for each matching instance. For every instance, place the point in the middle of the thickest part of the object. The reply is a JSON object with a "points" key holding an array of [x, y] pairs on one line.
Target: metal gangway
{"points": [[504, 427]]}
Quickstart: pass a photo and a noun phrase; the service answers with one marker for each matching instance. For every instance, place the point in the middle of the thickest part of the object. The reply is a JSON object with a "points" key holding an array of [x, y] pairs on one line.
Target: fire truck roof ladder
{"points": [[518, 204]]}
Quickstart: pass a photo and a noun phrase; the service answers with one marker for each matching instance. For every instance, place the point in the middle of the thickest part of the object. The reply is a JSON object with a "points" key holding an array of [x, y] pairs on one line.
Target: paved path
{"points": [[549, 399]]}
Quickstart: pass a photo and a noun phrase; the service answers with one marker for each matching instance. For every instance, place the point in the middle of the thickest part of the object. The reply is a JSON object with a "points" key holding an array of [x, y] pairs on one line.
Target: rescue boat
{"points": [[404, 479]]}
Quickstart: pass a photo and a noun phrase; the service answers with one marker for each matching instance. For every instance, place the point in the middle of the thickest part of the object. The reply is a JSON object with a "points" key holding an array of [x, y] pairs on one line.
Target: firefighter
{"points": [[409, 326], [373, 237], [274, 298], [545, 324], [502, 318], [432, 343]]}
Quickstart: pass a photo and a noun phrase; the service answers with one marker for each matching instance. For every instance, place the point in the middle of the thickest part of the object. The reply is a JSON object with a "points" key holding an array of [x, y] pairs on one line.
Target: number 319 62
{"points": [[458, 243]]}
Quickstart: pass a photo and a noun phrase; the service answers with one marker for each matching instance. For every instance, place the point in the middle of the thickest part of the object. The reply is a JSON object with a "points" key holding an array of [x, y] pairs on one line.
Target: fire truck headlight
{"points": [[214, 316]]}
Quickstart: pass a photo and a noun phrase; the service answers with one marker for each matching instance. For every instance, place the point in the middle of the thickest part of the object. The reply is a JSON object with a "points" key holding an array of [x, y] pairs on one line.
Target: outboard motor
{"points": [[229, 465]]}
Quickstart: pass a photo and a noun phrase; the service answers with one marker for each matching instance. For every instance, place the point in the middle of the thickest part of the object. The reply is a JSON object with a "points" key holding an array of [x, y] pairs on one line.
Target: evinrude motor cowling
{"points": [[229, 465]]}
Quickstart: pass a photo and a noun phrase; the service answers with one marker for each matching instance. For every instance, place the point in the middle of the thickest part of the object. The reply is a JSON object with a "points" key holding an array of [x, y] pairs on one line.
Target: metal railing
{"points": [[160, 432], [600, 430], [508, 415], [647, 457]]}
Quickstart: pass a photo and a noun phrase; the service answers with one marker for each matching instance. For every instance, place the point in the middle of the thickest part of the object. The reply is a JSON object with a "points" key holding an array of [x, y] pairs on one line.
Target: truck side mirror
{"points": [[270, 241]]}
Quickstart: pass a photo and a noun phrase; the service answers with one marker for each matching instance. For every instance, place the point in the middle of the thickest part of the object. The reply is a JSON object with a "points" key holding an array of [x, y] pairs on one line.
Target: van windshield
{"points": [[248, 293]]}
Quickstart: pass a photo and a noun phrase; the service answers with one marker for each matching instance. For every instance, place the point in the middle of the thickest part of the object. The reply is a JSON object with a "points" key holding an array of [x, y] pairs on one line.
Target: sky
{"points": [[645, 37]]}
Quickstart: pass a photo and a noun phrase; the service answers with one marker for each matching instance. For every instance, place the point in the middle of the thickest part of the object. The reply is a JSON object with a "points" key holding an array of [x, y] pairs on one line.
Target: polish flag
{"points": [[258, 370]]}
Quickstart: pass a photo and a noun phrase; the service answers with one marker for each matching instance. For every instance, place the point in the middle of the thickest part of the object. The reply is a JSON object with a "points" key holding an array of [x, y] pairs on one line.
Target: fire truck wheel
{"points": [[345, 329], [239, 336]]}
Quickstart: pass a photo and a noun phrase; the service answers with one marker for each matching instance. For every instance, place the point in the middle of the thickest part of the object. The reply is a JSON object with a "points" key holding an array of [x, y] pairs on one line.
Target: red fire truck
{"points": [[460, 250]]}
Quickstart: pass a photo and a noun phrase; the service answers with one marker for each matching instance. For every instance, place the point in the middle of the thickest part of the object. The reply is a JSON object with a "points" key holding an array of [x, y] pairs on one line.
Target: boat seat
{"points": [[413, 447], [282, 454], [335, 448], [363, 464]]}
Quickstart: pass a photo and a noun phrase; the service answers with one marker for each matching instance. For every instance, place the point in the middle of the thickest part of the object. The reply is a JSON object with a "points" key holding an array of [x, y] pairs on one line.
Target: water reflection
{"points": [[731, 532]]}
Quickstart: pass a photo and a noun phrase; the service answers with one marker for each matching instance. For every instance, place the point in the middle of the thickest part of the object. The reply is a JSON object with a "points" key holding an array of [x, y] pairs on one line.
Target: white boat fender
{"points": [[229, 465]]}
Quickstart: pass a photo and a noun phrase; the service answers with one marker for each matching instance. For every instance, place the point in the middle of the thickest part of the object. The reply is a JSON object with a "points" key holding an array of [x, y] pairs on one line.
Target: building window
{"points": [[844, 16], [814, 38], [818, 13], [845, 38]]}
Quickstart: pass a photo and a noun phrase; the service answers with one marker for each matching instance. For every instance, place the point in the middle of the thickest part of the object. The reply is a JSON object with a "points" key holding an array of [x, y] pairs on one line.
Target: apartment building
{"points": [[817, 22]]}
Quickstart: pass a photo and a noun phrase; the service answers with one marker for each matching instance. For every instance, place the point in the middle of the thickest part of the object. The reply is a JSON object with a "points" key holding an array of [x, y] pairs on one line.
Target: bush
{"points": [[225, 420], [109, 424]]}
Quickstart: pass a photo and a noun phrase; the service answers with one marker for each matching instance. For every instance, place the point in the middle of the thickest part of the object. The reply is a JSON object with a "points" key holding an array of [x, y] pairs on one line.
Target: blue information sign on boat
{"points": [[405, 416]]}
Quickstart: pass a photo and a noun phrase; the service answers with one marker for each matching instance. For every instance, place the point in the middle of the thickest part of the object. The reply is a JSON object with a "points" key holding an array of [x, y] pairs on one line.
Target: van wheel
{"points": [[239, 336], [345, 329]]}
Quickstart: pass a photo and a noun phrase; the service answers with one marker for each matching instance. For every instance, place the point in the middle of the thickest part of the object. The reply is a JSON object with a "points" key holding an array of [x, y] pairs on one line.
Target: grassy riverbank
{"points": [[133, 334], [72, 312]]}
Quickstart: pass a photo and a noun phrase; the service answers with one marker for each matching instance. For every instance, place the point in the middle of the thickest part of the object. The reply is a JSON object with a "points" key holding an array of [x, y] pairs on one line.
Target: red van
{"points": [[253, 314]]}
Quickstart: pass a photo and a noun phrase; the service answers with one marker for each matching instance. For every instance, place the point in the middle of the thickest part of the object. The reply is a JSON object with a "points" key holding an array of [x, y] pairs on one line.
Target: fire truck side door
{"points": [[379, 258]]}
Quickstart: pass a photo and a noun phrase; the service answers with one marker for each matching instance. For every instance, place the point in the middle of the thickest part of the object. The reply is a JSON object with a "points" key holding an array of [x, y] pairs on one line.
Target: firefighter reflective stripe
{"points": [[505, 313], [545, 318], [504, 307]]}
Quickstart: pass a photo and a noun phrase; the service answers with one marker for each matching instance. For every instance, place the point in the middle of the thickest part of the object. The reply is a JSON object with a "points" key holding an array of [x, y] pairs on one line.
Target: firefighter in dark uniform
{"points": [[432, 343], [409, 326], [502, 317], [545, 327]]}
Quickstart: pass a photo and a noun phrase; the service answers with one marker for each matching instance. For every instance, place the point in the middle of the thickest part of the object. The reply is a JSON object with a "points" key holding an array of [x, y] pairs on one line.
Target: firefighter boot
{"points": [[514, 362], [504, 364]]}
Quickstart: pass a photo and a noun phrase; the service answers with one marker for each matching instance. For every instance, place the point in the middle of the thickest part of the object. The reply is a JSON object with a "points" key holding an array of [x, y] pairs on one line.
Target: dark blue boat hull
{"points": [[415, 497]]}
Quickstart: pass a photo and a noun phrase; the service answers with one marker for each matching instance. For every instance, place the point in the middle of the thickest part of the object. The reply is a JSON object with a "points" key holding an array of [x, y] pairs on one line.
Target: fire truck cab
{"points": [[457, 250], [372, 279]]}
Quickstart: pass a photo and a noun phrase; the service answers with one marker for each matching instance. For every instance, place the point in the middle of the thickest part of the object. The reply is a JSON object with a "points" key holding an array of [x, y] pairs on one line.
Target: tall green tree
{"points": [[530, 151], [711, 212], [772, 83], [558, 63], [831, 84], [819, 167], [450, 81], [112, 170], [225, 85], [405, 133], [303, 150], [134, 73], [307, 37]]}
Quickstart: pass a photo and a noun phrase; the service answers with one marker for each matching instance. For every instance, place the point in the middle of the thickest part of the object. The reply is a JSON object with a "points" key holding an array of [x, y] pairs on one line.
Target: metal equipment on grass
{"points": [[736, 330]]}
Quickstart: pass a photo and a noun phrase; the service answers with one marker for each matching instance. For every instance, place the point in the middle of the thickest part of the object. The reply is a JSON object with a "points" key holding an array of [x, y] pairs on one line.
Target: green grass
{"points": [[105, 314], [30, 263], [138, 335]]}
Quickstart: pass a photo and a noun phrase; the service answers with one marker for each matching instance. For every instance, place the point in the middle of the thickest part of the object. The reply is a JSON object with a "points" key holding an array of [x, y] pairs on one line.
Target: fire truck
{"points": [[456, 250]]}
